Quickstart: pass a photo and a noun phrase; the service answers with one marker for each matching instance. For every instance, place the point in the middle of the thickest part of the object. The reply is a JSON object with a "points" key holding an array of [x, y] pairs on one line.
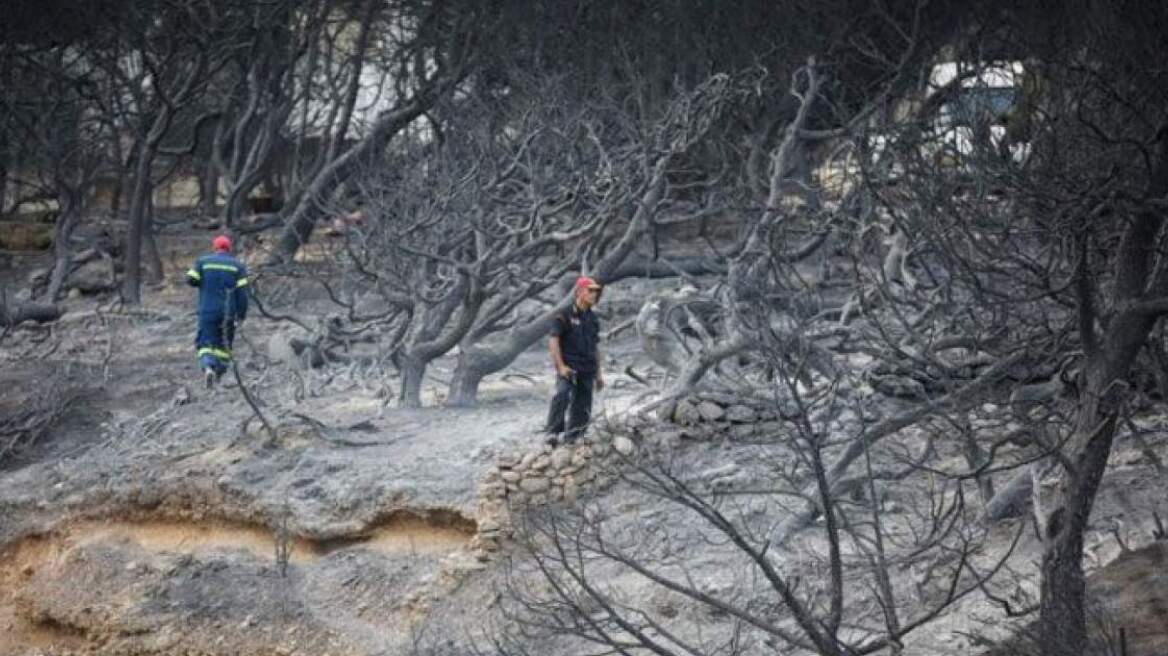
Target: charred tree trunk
{"points": [[1140, 293], [38, 312], [63, 253], [1062, 614], [477, 362], [413, 373], [153, 254], [310, 207], [209, 189], [437, 335], [132, 281]]}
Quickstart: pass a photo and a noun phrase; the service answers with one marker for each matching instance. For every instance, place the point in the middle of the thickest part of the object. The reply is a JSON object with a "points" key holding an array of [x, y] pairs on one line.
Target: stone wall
{"points": [[538, 477]]}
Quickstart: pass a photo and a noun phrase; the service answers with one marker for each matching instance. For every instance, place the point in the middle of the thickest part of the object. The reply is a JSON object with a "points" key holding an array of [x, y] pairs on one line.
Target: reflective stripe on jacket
{"points": [[222, 283]]}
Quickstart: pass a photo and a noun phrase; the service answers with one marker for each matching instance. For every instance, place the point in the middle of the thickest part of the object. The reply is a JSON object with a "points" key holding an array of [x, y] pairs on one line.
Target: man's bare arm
{"points": [[562, 369]]}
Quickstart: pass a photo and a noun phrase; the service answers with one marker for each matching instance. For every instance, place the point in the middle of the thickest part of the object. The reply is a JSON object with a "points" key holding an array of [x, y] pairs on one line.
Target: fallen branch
{"points": [[38, 312], [251, 402]]}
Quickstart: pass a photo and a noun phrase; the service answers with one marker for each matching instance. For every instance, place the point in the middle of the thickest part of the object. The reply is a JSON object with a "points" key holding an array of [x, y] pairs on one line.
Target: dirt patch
{"points": [[399, 533], [148, 544], [405, 533], [17, 565]]}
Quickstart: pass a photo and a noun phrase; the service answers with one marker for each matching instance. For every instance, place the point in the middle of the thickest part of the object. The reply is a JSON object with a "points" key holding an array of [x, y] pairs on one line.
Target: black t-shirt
{"points": [[579, 334]]}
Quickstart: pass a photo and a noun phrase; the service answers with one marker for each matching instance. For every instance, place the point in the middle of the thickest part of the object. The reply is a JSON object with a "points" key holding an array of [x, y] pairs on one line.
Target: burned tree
{"points": [[429, 54], [47, 110]]}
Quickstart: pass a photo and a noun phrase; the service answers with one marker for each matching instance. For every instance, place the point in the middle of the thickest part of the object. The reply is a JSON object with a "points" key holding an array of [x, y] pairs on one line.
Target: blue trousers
{"points": [[213, 342], [573, 395]]}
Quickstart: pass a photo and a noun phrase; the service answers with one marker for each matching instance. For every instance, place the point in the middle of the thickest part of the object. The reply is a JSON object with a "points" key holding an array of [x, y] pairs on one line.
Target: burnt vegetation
{"points": [[930, 236]]}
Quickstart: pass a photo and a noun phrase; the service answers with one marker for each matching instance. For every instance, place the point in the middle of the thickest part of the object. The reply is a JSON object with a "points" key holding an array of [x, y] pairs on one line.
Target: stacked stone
{"points": [[541, 477], [544, 476], [721, 414]]}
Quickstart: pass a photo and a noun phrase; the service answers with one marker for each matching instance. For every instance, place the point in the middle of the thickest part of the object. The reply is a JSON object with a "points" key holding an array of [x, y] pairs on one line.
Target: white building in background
{"points": [[987, 92]]}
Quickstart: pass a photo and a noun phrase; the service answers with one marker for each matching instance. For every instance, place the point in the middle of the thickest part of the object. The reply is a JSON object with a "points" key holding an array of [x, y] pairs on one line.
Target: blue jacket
{"points": [[222, 283]]}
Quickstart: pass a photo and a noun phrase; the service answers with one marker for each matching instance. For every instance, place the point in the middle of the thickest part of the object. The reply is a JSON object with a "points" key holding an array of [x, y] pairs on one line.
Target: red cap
{"points": [[584, 282], [221, 243]]}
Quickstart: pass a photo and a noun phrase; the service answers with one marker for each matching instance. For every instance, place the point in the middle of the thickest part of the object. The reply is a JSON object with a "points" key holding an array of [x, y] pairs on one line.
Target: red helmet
{"points": [[584, 282], [221, 243]]}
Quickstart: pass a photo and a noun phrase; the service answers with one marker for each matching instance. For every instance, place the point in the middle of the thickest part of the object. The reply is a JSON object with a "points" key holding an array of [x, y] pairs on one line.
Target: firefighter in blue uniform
{"points": [[222, 283]]}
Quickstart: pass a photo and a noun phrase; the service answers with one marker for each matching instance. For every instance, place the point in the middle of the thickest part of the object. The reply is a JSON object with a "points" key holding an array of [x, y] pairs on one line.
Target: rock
{"points": [[527, 460], [772, 429], [541, 463], [740, 414], [511, 476], [534, 485], [724, 471], [508, 460], [182, 396], [561, 458], [492, 489], [743, 431], [686, 414], [92, 277], [39, 276], [582, 455], [665, 439], [623, 445], [710, 411]]}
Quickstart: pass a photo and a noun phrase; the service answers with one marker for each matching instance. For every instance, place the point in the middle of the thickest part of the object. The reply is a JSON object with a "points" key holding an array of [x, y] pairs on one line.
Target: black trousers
{"points": [[573, 395]]}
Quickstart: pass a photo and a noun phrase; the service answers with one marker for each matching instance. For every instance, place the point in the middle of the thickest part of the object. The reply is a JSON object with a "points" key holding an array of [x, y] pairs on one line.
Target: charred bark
{"points": [[38, 312]]}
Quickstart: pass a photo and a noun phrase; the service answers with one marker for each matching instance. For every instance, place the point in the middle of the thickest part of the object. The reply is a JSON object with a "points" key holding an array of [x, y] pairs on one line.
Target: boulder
{"points": [[92, 277]]}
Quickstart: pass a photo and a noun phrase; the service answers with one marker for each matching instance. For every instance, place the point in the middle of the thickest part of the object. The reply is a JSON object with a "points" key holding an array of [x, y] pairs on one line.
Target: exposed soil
{"points": [[133, 564]]}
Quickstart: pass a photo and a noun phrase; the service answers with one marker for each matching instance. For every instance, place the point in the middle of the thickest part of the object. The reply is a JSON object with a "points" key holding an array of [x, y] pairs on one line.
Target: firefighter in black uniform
{"points": [[574, 347]]}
